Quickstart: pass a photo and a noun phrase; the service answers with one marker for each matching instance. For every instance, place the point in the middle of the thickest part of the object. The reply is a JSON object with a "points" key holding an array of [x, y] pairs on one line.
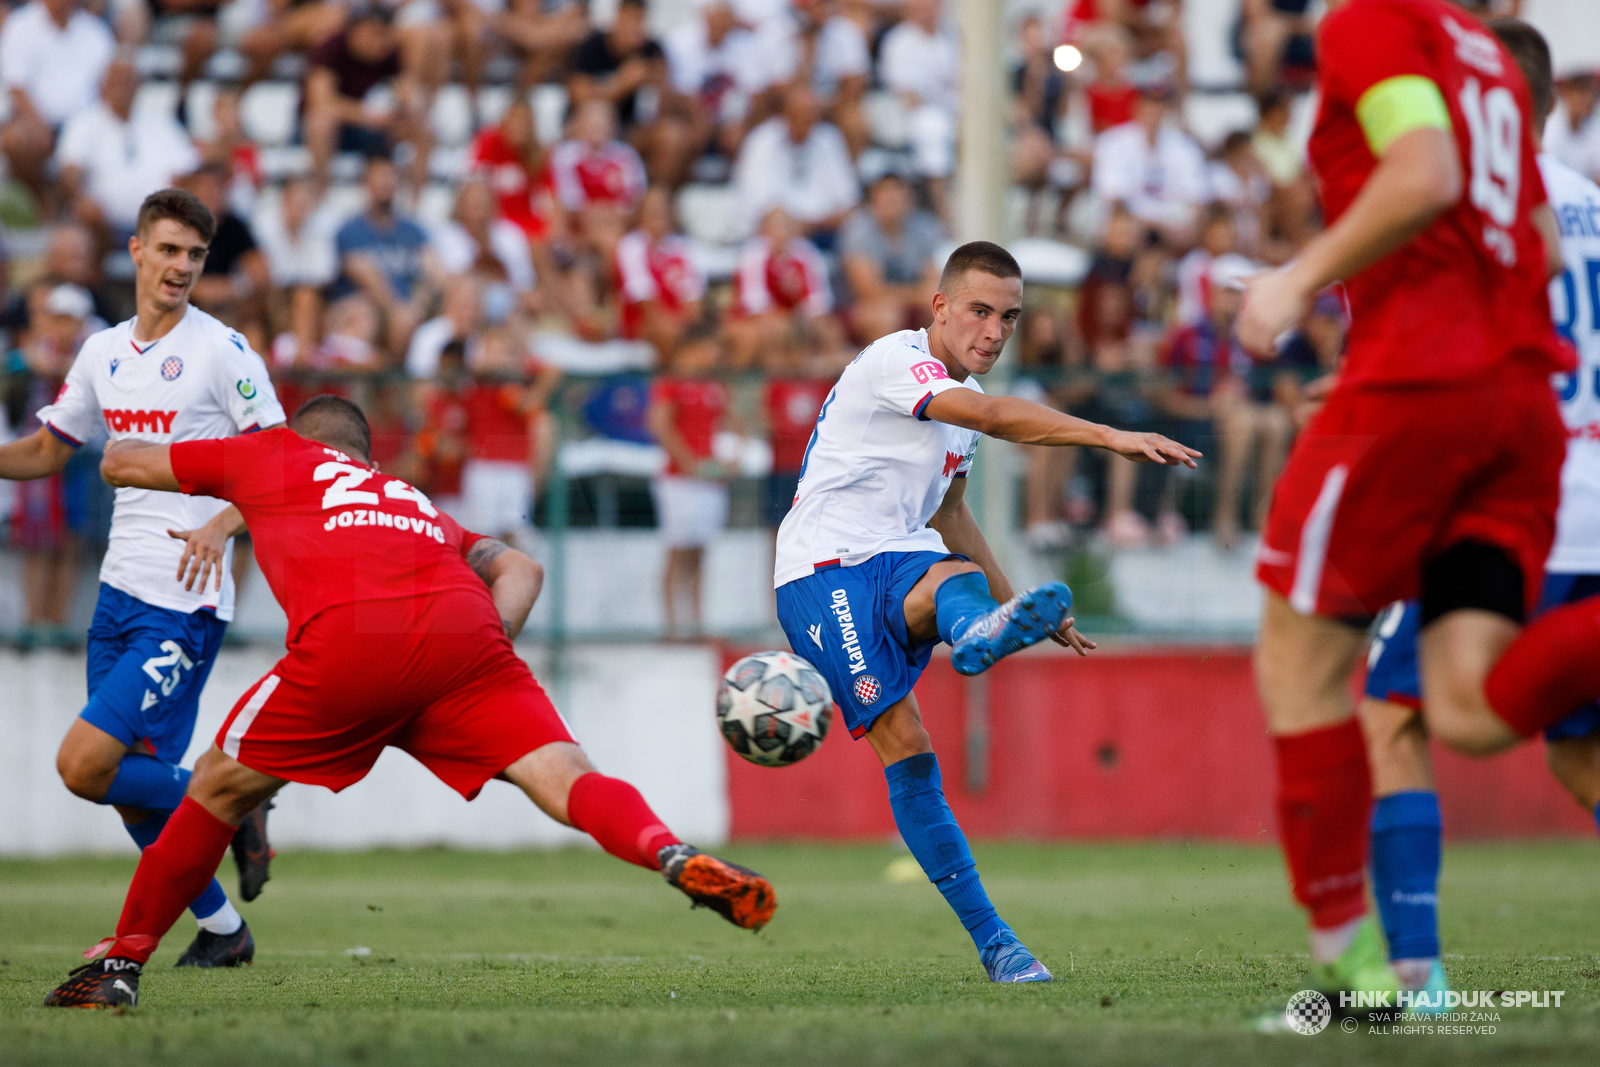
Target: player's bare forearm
{"points": [[1418, 177], [960, 532], [1021, 421], [139, 464], [38, 455], [1544, 220], [514, 580]]}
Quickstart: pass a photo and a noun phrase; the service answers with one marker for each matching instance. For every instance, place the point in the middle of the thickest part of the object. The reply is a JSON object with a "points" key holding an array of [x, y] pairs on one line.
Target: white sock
{"points": [[225, 920], [1413, 974], [1328, 945]]}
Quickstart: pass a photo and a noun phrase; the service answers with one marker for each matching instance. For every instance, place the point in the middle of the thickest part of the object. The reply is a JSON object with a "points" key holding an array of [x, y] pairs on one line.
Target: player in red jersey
{"points": [[1433, 469], [399, 634]]}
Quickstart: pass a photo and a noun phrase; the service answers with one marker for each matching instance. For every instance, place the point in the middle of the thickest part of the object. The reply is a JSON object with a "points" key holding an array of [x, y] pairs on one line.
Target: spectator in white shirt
{"points": [[109, 158], [833, 56], [52, 57], [298, 243], [719, 65], [1152, 168], [920, 62], [460, 318], [492, 249], [799, 163], [1572, 133]]}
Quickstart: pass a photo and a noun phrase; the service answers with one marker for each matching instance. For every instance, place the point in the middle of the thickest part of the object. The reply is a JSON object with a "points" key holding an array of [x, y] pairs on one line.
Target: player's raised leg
{"points": [[1302, 665], [559, 778]]}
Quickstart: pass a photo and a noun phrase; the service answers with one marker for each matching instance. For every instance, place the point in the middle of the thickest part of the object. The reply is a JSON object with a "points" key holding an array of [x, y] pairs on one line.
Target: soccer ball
{"points": [[773, 708]]}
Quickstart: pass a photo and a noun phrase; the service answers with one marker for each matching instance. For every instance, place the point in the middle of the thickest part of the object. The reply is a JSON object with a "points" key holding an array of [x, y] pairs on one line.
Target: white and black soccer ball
{"points": [[773, 708]]}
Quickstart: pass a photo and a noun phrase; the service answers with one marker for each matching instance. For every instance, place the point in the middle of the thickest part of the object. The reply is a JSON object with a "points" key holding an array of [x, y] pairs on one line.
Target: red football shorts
{"points": [[435, 678], [1383, 480]]}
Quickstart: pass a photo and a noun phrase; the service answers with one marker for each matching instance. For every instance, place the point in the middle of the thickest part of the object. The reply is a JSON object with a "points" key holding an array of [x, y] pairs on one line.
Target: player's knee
{"points": [[83, 774]]}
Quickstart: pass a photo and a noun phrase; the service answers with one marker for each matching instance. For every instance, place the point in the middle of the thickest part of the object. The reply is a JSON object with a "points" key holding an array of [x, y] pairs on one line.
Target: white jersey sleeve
{"points": [[242, 387], [75, 412], [905, 378]]}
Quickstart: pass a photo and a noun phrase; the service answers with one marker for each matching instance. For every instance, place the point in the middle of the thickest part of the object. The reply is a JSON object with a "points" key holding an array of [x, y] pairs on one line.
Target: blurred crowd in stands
{"points": [[500, 222]]}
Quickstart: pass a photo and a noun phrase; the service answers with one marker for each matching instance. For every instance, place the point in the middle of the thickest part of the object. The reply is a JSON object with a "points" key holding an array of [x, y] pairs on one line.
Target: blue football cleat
{"points": [[1021, 621], [1006, 960]]}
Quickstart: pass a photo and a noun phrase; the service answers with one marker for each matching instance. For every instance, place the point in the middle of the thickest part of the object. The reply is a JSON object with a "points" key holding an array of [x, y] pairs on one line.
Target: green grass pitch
{"points": [[1162, 953]]}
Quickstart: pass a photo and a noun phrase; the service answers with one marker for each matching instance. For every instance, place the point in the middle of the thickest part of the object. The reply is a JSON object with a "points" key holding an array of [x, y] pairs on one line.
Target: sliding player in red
{"points": [[399, 634], [1434, 469]]}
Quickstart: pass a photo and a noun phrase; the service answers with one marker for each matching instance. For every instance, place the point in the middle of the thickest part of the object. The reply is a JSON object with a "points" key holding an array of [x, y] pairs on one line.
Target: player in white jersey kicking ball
{"points": [[880, 560], [171, 373]]}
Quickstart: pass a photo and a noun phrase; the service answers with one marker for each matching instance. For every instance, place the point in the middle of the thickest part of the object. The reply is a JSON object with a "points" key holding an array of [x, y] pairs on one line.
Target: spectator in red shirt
{"points": [[658, 285], [504, 410], [797, 386], [510, 159], [780, 284], [442, 442], [687, 408], [1112, 96], [598, 179]]}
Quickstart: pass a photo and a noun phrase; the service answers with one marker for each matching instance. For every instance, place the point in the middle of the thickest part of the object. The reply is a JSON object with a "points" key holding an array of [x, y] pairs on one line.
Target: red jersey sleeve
{"points": [[1363, 44], [198, 467], [663, 391]]}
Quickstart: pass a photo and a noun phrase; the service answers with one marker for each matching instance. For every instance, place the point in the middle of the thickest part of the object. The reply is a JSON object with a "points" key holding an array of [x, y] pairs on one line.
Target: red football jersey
{"points": [[1467, 295], [792, 408], [328, 529], [516, 190], [697, 408], [662, 271], [610, 174], [794, 276]]}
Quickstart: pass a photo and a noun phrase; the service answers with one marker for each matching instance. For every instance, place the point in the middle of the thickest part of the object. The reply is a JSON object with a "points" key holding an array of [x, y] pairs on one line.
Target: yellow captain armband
{"points": [[1396, 106]]}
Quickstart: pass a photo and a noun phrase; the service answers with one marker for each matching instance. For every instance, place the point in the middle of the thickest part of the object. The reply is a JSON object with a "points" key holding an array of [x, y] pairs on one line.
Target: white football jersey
{"points": [[876, 468], [1575, 306], [199, 381]]}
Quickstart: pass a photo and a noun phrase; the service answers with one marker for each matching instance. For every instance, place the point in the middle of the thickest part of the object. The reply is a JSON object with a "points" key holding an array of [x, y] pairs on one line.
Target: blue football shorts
{"points": [[1393, 673], [147, 666], [850, 623]]}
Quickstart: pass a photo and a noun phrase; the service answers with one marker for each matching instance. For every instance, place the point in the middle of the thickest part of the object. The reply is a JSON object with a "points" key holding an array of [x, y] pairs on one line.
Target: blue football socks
{"points": [[958, 601], [152, 782], [916, 795], [147, 783], [1406, 831]]}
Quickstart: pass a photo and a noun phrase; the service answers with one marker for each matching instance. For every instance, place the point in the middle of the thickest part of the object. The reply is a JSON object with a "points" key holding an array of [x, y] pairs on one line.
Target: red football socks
{"points": [[613, 813], [171, 873], [1324, 795], [1551, 668]]}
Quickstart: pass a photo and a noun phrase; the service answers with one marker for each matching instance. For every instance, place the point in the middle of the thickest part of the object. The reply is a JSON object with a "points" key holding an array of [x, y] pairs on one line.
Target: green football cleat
{"points": [[1362, 968]]}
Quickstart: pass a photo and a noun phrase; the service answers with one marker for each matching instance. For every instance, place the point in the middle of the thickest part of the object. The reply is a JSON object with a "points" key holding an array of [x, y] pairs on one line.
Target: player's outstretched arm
{"points": [[38, 455], [514, 580], [140, 464], [1013, 419]]}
